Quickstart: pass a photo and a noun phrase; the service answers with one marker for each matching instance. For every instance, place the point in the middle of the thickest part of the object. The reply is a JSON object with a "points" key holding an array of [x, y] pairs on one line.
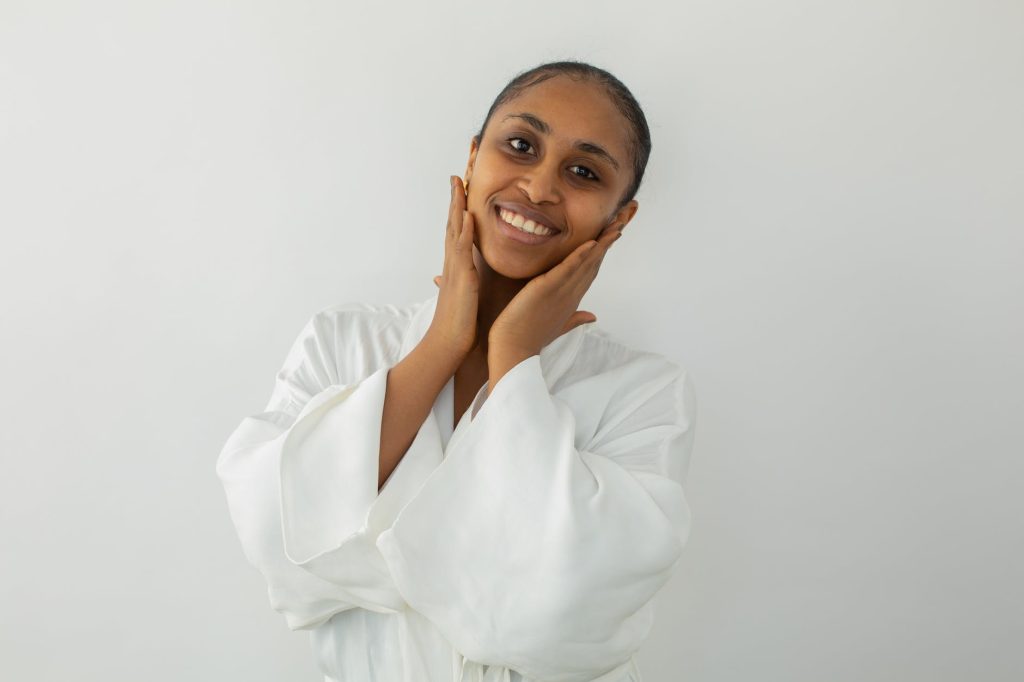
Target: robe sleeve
{"points": [[301, 476], [533, 551]]}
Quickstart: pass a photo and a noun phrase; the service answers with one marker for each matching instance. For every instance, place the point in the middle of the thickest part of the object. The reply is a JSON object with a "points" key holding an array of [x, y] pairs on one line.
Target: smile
{"points": [[522, 233]]}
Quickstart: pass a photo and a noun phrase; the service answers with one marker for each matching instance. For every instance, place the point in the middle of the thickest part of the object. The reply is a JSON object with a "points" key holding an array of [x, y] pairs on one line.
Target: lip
{"points": [[518, 235], [528, 212]]}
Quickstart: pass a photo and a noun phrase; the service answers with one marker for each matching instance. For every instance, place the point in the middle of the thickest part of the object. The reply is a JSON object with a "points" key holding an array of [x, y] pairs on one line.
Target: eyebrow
{"points": [[582, 145]]}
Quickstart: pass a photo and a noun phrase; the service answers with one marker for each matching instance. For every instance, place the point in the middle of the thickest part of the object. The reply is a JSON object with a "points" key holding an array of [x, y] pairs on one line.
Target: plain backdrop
{"points": [[829, 238]]}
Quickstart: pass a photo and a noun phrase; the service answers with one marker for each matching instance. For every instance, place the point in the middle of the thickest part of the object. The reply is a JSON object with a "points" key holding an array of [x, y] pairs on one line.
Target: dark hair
{"points": [[640, 134]]}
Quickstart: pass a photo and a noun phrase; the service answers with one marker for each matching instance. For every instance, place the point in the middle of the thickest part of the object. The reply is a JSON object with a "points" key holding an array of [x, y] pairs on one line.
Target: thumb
{"points": [[577, 318]]}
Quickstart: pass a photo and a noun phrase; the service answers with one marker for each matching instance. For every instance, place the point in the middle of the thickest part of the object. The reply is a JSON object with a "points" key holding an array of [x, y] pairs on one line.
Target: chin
{"points": [[506, 261], [512, 268]]}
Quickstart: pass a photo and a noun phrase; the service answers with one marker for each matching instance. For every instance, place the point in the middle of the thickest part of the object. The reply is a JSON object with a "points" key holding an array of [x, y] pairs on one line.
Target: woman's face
{"points": [[540, 155]]}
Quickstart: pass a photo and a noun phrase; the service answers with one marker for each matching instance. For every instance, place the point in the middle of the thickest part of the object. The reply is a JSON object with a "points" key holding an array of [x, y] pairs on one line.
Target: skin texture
{"points": [[501, 301]]}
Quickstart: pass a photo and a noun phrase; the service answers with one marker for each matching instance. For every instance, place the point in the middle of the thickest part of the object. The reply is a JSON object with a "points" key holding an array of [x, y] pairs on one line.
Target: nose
{"points": [[540, 183]]}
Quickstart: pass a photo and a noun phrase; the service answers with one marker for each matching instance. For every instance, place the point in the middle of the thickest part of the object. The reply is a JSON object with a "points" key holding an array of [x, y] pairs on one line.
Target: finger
{"points": [[593, 256], [564, 272], [578, 265], [606, 239], [582, 317], [596, 257], [452, 207], [455, 211], [459, 206], [583, 275], [464, 247], [583, 251], [585, 254], [577, 318]]}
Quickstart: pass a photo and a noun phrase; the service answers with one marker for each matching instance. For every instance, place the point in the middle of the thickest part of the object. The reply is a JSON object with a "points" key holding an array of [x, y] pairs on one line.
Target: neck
{"points": [[496, 291]]}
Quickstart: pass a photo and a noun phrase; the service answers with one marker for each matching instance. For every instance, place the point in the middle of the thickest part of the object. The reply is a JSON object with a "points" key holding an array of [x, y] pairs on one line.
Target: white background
{"points": [[829, 239]]}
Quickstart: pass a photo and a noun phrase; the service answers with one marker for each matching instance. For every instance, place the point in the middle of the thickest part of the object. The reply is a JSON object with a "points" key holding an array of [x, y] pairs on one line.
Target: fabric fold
{"points": [[553, 548], [301, 477], [333, 446], [299, 491]]}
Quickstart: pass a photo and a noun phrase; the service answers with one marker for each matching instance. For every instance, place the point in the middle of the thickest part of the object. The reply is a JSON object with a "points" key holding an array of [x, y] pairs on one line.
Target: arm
{"points": [[412, 387]]}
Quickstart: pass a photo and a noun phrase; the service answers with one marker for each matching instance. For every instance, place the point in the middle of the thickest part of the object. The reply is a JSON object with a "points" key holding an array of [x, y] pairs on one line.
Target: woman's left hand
{"points": [[546, 307]]}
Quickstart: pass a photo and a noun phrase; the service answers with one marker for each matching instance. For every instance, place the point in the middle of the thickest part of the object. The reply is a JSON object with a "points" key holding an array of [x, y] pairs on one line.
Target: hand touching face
{"points": [[545, 308]]}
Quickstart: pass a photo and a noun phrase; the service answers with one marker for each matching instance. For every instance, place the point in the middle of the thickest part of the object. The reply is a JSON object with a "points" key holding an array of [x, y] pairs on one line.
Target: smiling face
{"points": [[558, 153]]}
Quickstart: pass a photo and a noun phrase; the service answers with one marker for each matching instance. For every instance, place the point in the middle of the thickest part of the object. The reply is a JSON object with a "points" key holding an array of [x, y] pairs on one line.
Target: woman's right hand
{"points": [[454, 325]]}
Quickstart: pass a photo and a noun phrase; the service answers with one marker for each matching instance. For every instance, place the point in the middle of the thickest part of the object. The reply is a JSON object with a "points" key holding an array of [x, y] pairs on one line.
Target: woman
{"points": [[483, 485]]}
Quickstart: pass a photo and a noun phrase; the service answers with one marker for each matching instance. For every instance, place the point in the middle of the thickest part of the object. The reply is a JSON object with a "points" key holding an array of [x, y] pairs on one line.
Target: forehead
{"points": [[573, 110]]}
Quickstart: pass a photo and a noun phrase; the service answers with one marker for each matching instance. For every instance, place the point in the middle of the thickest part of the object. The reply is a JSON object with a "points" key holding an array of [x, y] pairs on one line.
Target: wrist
{"points": [[442, 353], [501, 360]]}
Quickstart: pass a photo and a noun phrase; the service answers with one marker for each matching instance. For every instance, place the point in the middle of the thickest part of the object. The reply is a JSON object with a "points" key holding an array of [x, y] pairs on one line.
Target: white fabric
{"points": [[525, 545]]}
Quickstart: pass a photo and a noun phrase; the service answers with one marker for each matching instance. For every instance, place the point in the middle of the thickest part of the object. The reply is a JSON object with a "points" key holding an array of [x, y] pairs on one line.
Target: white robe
{"points": [[526, 545]]}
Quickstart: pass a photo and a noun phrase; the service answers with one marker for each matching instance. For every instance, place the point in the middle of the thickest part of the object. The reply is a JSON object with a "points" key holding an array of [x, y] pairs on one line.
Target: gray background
{"points": [[829, 238]]}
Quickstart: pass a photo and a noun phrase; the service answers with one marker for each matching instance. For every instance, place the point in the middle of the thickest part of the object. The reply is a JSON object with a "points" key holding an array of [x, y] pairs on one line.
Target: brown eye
{"points": [[593, 176], [586, 175], [513, 141]]}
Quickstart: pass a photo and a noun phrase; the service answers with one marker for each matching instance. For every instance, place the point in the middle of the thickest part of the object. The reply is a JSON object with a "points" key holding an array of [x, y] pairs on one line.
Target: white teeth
{"points": [[524, 224]]}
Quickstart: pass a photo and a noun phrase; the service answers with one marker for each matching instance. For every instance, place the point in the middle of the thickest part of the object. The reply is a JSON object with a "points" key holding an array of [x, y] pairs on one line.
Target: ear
{"points": [[623, 216], [474, 147]]}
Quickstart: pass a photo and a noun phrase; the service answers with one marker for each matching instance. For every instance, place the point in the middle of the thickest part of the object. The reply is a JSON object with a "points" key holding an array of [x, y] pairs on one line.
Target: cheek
{"points": [[586, 225], [490, 175]]}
